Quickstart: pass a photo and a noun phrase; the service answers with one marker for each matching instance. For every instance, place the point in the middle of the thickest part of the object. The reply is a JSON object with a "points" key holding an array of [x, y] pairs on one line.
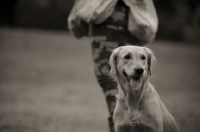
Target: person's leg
{"points": [[116, 35], [101, 51]]}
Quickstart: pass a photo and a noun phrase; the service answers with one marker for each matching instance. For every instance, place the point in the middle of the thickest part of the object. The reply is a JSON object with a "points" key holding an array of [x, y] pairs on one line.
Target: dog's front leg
{"points": [[122, 128], [127, 128], [150, 125], [147, 124]]}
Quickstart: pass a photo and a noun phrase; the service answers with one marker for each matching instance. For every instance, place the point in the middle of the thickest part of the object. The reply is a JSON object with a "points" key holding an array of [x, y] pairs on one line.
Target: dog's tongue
{"points": [[135, 83], [132, 83]]}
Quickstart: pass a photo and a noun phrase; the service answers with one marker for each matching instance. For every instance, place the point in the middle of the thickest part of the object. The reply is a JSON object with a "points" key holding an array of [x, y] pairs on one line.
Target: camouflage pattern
{"points": [[115, 35], [115, 27], [101, 51]]}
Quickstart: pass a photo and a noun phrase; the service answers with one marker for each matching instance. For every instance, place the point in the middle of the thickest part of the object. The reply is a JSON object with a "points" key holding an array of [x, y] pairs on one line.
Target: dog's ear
{"points": [[113, 62], [151, 60]]}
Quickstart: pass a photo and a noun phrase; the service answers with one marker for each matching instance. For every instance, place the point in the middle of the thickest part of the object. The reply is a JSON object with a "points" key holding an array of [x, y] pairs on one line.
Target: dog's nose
{"points": [[139, 71]]}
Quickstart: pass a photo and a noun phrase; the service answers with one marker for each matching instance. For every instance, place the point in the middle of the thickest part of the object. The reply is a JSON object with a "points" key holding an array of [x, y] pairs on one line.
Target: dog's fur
{"points": [[138, 107]]}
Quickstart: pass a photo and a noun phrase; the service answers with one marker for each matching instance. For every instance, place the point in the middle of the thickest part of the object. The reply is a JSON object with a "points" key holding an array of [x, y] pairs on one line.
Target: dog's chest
{"points": [[125, 114]]}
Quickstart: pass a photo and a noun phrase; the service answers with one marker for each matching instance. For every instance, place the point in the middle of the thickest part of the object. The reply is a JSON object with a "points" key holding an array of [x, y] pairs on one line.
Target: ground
{"points": [[47, 83]]}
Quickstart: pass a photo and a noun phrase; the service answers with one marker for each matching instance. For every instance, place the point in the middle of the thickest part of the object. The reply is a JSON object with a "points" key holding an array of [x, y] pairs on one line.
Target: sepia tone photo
{"points": [[99, 65]]}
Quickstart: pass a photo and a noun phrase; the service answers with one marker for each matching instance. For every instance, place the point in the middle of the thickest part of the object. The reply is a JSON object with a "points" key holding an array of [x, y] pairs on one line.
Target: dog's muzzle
{"points": [[136, 76], [126, 76]]}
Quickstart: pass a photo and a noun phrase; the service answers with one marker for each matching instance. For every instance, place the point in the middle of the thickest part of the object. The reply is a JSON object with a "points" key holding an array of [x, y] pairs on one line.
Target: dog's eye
{"points": [[143, 57], [127, 57]]}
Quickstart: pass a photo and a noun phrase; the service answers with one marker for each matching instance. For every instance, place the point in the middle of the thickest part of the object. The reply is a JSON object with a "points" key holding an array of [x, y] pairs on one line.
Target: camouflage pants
{"points": [[101, 51], [116, 34]]}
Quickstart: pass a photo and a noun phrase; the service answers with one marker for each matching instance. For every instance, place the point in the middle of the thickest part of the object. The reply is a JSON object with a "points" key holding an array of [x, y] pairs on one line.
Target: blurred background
{"points": [[179, 20], [47, 82]]}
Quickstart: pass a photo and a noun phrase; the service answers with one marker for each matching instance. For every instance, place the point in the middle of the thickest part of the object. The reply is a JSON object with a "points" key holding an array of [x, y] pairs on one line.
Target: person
{"points": [[112, 23]]}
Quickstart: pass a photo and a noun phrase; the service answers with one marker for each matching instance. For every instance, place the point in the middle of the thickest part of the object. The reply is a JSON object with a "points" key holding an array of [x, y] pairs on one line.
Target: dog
{"points": [[138, 107]]}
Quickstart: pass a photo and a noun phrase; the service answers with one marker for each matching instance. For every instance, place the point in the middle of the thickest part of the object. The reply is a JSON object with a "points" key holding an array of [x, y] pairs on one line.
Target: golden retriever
{"points": [[138, 107]]}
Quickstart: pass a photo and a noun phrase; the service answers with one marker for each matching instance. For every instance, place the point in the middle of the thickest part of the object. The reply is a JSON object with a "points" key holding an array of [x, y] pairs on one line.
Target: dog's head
{"points": [[132, 64]]}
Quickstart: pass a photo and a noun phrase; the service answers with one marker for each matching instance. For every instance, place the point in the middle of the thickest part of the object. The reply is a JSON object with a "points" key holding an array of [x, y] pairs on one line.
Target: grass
{"points": [[47, 83]]}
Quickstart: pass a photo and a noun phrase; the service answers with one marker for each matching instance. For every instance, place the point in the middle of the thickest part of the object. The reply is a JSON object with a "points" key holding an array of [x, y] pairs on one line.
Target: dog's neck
{"points": [[132, 98]]}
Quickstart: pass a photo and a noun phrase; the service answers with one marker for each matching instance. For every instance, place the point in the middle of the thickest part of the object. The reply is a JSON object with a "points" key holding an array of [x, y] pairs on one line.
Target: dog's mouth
{"points": [[135, 77], [126, 76]]}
